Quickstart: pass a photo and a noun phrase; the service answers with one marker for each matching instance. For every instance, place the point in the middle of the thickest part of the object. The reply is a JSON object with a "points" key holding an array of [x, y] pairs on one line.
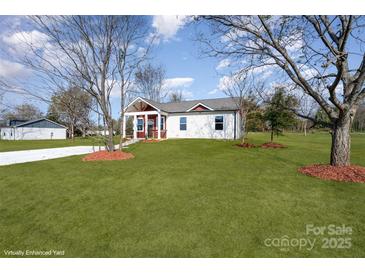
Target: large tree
{"points": [[131, 51], [323, 56], [24, 112], [72, 107], [76, 49]]}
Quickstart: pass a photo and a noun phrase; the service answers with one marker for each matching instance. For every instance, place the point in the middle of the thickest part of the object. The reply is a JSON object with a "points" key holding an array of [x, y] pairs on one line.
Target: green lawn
{"points": [[6, 145], [182, 198]]}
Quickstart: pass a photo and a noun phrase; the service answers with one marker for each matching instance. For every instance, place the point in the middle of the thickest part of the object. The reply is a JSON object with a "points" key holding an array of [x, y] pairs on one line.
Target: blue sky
{"points": [[180, 56], [175, 50]]}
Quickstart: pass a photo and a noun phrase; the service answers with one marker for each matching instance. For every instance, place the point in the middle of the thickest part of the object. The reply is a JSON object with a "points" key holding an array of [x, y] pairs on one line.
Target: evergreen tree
{"points": [[278, 112]]}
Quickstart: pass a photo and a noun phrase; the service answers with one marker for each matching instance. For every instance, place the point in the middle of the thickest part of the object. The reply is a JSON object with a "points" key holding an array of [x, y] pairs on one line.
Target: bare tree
{"points": [[130, 54], [77, 49], [24, 112], [308, 107], [359, 120], [149, 82], [176, 96], [71, 107], [241, 88], [321, 55]]}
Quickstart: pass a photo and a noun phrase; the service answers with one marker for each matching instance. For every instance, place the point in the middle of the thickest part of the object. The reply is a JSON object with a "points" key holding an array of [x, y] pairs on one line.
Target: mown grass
{"points": [[182, 198], [11, 145]]}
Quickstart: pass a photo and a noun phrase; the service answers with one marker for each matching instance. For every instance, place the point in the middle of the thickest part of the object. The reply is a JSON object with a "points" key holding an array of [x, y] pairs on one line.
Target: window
{"points": [[182, 123], [218, 122], [162, 127], [140, 123]]}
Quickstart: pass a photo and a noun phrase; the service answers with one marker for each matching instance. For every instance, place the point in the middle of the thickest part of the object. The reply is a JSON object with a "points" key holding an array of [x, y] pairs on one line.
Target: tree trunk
{"points": [[272, 135], [72, 132], [121, 130], [341, 142], [305, 127], [121, 120], [110, 143], [243, 128]]}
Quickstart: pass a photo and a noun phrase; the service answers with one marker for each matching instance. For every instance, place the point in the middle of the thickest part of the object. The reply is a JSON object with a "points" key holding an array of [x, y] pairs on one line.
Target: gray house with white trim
{"points": [[39, 129], [207, 118]]}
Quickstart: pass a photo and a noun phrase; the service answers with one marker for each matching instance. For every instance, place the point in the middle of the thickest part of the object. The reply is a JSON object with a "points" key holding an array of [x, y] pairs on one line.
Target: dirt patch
{"points": [[108, 156], [246, 145], [151, 141], [353, 173], [272, 145]]}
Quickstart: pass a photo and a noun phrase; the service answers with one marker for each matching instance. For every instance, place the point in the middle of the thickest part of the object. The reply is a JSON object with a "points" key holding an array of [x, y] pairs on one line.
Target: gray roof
{"points": [[42, 122], [215, 104]]}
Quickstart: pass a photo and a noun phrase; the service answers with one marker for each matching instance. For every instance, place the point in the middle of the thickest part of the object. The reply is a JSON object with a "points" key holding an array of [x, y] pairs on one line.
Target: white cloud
{"points": [[11, 69], [225, 82], [20, 41], [214, 91], [223, 64], [179, 82], [264, 71], [166, 26]]}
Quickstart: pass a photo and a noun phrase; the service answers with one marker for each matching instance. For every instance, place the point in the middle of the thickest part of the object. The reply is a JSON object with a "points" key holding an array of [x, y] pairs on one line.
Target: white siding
{"points": [[33, 133], [201, 125], [6, 133]]}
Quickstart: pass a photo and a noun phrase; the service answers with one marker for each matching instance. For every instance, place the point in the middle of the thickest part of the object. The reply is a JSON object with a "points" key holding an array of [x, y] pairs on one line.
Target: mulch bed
{"points": [[246, 145], [272, 145], [108, 156], [353, 173]]}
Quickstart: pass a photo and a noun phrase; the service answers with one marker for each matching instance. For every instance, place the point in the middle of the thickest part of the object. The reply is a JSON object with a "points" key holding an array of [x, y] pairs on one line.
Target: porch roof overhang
{"points": [[139, 99], [150, 112], [141, 112]]}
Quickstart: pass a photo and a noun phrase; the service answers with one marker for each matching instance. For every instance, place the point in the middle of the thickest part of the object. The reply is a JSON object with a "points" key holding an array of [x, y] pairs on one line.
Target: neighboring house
{"points": [[39, 129], [208, 118]]}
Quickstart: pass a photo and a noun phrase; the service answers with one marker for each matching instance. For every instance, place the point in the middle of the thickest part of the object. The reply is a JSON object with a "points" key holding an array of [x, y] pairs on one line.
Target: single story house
{"points": [[208, 118], [39, 129]]}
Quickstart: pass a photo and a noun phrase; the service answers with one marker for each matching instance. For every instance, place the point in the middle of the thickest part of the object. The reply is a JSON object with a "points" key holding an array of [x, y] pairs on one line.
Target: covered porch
{"points": [[148, 120], [149, 124]]}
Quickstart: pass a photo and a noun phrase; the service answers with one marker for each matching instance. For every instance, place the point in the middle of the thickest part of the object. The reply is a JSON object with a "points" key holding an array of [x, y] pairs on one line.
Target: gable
{"points": [[200, 108], [139, 105], [42, 123]]}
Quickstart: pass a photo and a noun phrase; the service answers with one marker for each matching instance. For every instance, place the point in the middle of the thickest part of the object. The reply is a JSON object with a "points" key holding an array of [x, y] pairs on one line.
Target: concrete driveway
{"points": [[24, 156]]}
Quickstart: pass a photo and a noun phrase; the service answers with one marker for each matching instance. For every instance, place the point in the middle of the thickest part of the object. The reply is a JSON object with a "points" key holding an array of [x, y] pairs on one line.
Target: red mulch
{"points": [[108, 156], [151, 141], [272, 145], [353, 173], [246, 145]]}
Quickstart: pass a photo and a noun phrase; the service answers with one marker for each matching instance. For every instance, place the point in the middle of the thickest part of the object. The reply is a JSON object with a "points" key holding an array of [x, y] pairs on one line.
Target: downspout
{"points": [[235, 125]]}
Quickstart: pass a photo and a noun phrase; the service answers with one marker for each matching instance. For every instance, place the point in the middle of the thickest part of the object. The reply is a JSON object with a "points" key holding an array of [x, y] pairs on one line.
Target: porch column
{"points": [[124, 125], [145, 125], [158, 126], [134, 126]]}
